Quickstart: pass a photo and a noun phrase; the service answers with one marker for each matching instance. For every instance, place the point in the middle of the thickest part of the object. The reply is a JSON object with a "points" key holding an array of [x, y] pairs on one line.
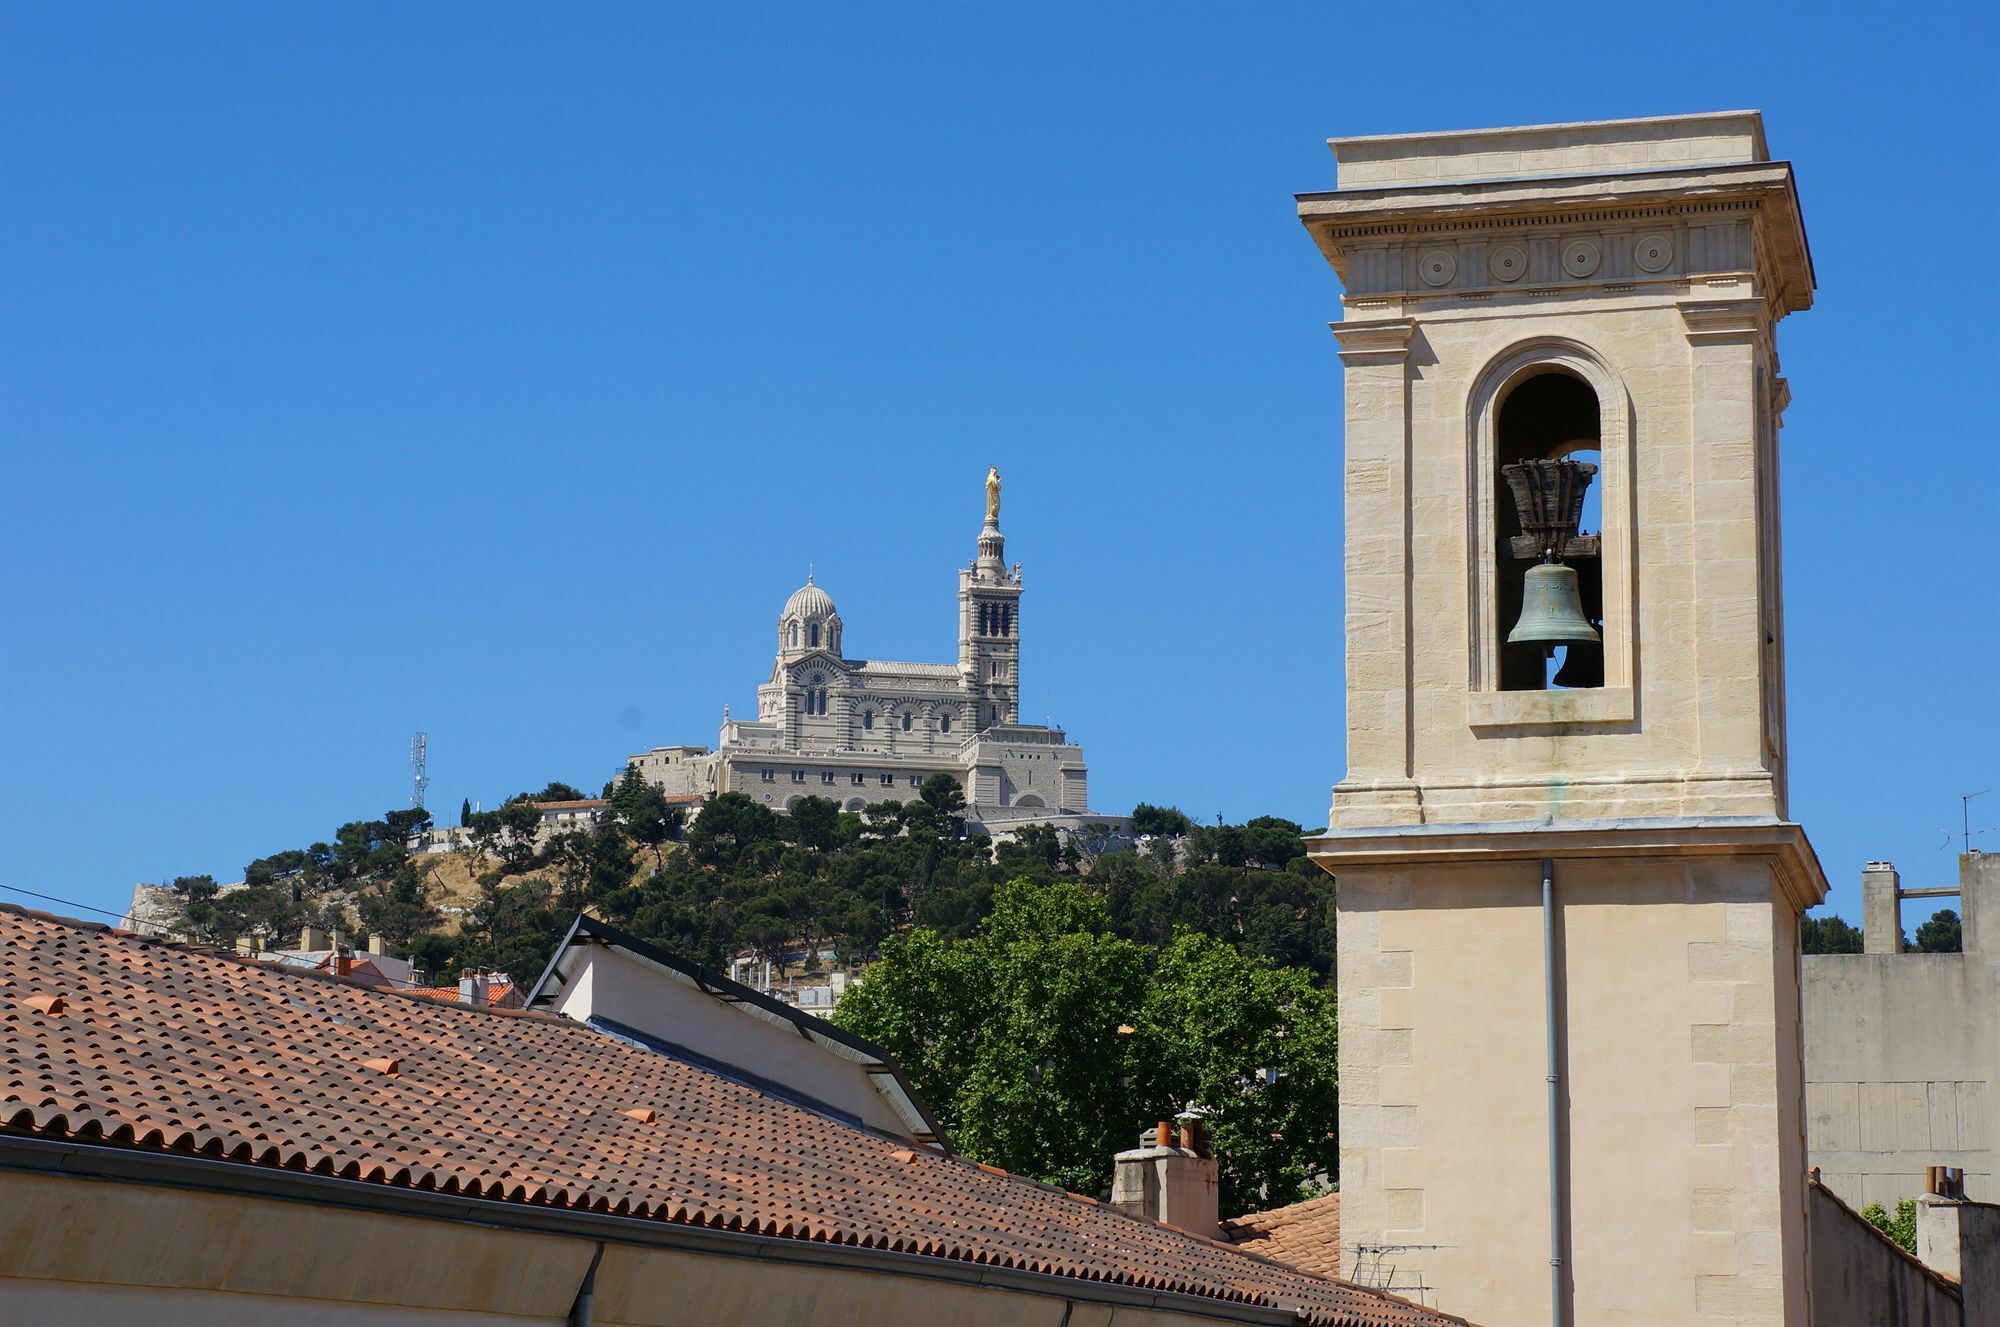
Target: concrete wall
{"points": [[78, 1253], [1861, 1279], [1902, 1057], [1961, 1239]]}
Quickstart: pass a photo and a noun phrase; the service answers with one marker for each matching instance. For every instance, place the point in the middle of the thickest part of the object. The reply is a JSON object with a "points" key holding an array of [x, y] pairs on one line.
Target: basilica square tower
{"points": [[1568, 888]]}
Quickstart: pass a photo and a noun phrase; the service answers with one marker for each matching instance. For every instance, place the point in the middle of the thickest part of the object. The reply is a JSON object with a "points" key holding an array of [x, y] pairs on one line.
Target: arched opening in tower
{"points": [[1551, 416]]}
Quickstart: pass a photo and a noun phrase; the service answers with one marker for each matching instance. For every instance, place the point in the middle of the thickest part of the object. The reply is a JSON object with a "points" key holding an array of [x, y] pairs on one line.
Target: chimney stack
{"points": [[472, 987], [377, 945], [1171, 1179], [312, 939], [1962, 1240]]}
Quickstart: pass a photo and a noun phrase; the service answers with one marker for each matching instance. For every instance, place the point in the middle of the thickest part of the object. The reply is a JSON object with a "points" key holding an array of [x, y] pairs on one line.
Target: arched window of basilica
{"points": [[944, 723], [812, 635], [795, 636], [906, 721], [868, 719]]}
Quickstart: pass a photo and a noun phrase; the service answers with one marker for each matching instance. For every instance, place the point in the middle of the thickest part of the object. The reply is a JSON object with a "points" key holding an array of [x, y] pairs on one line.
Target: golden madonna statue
{"points": [[993, 495]]}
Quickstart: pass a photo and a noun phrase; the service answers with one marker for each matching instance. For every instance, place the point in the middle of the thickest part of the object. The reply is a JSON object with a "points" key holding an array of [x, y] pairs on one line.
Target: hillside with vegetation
{"points": [[1050, 996], [744, 879]]}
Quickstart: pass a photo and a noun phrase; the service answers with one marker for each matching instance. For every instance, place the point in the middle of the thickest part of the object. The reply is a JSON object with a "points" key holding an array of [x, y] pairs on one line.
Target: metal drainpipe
{"points": [[1555, 1091], [579, 1312]]}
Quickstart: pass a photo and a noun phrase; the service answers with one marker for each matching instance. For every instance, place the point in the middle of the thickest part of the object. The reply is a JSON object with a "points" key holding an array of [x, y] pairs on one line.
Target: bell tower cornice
{"points": [[1471, 242]]}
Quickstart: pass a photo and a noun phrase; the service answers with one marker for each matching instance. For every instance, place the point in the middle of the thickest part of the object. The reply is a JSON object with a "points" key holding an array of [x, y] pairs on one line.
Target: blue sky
{"points": [[497, 370]]}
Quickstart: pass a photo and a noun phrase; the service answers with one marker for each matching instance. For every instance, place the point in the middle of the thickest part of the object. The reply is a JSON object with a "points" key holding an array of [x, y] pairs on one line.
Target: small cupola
{"points": [[809, 621]]}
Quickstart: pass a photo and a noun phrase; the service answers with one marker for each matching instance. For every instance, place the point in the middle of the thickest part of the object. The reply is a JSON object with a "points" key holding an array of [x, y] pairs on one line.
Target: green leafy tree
{"points": [[272, 913], [1829, 935], [555, 791], [939, 811], [193, 906], [1942, 934], [1159, 821], [729, 826], [1013, 1036], [1036, 852], [1271, 842], [573, 856], [1901, 1227], [400, 909], [1254, 1047], [814, 822]]}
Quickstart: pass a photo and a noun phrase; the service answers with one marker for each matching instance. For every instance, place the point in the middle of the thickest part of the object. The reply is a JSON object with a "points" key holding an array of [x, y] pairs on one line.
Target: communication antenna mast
{"points": [[419, 780], [1966, 833]]}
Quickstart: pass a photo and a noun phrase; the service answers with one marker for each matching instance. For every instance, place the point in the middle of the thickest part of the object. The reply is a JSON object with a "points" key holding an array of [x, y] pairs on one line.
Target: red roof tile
{"points": [[499, 994], [1305, 1235], [163, 1048]]}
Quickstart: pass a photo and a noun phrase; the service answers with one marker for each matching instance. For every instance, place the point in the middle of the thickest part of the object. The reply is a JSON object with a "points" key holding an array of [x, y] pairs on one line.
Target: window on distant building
{"points": [[906, 721], [916, 780], [826, 776], [795, 635], [798, 776], [858, 778], [868, 719], [888, 780], [770, 776], [944, 723], [812, 635]]}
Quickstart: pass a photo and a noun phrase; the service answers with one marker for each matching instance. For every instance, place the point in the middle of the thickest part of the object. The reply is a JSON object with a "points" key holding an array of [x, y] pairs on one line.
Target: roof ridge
{"points": [[199, 950]]}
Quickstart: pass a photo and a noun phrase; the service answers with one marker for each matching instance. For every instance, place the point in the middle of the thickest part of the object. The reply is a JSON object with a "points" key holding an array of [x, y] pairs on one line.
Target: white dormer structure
{"points": [[625, 987]]}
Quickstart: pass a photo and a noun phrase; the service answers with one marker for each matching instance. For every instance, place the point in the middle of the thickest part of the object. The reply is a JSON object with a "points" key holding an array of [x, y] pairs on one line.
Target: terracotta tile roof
{"points": [[499, 994], [586, 804], [1305, 1235], [118, 1039]]}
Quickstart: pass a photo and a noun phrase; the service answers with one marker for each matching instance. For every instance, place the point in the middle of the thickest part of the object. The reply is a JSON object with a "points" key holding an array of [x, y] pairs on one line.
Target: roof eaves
{"points": [[213, 1174]]}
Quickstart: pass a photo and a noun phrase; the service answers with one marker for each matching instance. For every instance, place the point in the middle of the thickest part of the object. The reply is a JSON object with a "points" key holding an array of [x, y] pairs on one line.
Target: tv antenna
{"points": [[1966, 833], [419, 747], [1375, 1266]]}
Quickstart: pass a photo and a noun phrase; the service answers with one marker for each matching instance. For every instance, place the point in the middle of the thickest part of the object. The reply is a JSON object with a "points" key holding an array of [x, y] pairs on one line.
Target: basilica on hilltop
{"points": [[863, 730]]}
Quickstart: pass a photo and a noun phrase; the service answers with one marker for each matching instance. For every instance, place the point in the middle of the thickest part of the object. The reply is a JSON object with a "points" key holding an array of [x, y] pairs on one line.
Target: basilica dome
{"points": [[809, 603]]}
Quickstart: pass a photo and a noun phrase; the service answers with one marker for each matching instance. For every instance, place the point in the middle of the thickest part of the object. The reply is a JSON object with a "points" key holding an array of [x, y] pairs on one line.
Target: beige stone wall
{"points": [[1679, 1066], [1650, 260], [1654, 143], [1678, 729], [78, 1253]]}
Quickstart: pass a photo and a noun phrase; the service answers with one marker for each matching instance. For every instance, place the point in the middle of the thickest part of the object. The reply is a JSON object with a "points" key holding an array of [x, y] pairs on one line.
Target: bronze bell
{"points": [[1551, 609]]}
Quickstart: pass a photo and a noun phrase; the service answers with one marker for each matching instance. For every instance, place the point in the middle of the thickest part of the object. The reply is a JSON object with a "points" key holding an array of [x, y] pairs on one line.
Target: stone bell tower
{"points": [[1568, 890], [989, 623]]}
